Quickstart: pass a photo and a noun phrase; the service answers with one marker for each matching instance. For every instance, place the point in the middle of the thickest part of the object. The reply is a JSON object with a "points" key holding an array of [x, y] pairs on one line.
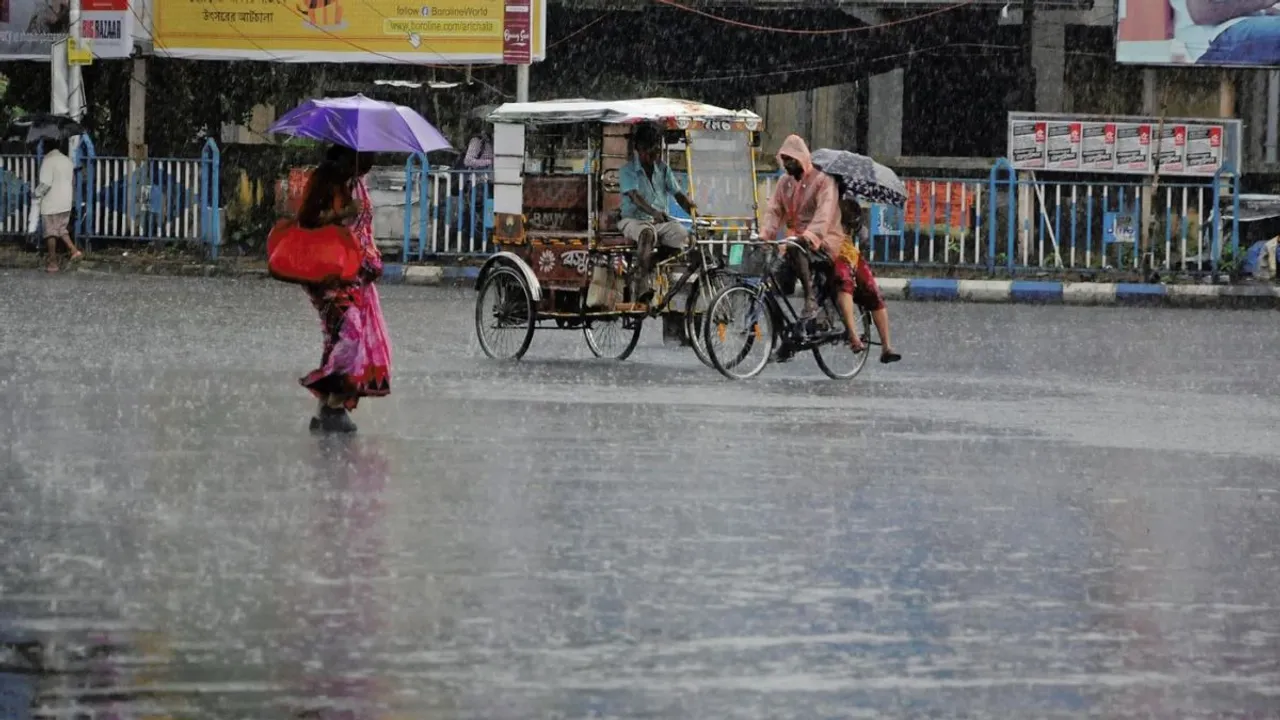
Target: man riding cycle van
{"points": [[804, 202], [852, 280], [648, 185]]}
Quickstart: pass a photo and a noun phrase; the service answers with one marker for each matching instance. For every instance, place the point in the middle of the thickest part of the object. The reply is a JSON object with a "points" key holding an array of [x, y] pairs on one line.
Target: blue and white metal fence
{"points": [[1006, 223], [120, 199]]}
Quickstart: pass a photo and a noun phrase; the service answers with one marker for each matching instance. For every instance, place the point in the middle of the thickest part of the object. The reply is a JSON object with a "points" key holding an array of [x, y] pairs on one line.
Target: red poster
{"points": [[517, 32]]}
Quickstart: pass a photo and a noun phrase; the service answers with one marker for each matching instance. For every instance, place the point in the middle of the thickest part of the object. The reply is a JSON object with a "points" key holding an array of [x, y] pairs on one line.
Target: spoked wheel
{"points": [[701, 296], [504, 315], [739, 332], [614, 337], [836, 358]]}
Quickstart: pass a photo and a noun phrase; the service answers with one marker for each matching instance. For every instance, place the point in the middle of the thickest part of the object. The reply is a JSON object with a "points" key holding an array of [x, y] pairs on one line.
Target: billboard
{"points": [[1126, 145], [29, 28], [425, 32], [1196, 32]]}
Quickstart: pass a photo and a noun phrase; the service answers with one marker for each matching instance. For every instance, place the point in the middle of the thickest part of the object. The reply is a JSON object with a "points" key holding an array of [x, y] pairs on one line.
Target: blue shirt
{"points": [[658, 192]]}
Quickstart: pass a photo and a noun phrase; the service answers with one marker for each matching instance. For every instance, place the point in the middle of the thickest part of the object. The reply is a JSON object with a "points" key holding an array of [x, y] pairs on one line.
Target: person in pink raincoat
{"points": [[805, 203], [356, 361]]}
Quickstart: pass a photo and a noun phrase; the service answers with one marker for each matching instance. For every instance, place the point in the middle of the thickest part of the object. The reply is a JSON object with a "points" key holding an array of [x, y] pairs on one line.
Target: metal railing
{"points": [[120, 199], [1005, 223]]}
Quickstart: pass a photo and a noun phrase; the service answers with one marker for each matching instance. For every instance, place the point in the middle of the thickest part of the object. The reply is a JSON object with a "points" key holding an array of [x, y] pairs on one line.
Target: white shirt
{"points": [[1194, 38], [55, 191]]}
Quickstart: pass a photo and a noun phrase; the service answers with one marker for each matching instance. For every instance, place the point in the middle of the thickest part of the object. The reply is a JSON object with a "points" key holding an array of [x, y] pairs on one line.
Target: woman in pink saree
{"points": [[356, 361]]}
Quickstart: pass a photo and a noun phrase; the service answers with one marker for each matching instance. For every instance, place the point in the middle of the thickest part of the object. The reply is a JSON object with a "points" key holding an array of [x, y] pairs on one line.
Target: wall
{"points": [[832, 119]]}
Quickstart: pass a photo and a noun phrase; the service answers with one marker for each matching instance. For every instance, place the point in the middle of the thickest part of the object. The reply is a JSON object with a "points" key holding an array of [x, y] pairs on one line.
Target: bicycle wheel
{"points": [[614, 337], [504, 315], [836, 358], [701, 295], [739, 332]]}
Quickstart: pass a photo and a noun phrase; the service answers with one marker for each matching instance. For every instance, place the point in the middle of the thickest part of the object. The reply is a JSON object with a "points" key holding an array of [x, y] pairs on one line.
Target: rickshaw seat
{"points": [[614, 241]]}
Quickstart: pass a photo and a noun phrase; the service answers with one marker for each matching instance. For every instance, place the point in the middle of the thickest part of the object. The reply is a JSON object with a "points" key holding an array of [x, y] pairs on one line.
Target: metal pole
{"points": [[75, 84], [522, 83]]}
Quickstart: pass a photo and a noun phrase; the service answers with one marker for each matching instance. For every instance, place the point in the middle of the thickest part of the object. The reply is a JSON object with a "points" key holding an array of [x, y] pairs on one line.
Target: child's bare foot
{"points": [[856, 343]]}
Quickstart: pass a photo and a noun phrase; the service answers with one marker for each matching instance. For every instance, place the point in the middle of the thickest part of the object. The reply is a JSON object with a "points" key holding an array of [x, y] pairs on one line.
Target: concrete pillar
{"points": [[884, 127], [1049, 58]]}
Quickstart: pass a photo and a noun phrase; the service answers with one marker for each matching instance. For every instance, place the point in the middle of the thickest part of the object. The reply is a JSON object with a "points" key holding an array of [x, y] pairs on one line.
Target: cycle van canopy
{"points": [[537, 190], [561, 259]]}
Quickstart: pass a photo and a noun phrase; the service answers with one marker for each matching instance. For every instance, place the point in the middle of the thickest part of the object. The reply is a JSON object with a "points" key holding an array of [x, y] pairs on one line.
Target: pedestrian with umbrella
{"points": [[56, 195], [858, 177], [356, 360]]}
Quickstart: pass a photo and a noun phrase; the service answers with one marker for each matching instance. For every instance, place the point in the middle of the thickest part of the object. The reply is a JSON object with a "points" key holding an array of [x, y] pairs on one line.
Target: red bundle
{"points": [[330, 254]]}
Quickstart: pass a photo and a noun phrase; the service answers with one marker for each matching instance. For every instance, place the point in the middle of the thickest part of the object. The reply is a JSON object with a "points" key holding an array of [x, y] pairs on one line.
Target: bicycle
{"points": [[761, 317]]}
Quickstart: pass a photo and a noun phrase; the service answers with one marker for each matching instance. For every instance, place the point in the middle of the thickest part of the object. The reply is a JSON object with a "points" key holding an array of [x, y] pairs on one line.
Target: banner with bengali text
{"points": [[428, 32]]}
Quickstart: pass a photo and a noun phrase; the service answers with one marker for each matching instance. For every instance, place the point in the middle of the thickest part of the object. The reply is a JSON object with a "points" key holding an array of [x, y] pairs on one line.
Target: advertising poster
{"points": [[352, 31], [1160, 32], [517, 32], [1063, 146], [29, 28], [1133, 147], [1098, 146], [1171, 152], [1027, 144], [1060, 142], [1204, 149]]}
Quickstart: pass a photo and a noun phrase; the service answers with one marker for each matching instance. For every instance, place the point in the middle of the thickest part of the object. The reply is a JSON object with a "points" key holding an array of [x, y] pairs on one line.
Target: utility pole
{"points": [[522, 83], [138, 110], [1028, 45]]}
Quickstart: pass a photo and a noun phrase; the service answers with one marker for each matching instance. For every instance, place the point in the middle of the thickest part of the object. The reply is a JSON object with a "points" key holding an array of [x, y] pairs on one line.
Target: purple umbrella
{"points": [[362, 124]]}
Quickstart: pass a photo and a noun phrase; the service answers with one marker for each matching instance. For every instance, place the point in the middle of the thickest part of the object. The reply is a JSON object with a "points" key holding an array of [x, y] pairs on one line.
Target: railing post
{"points": [[416, 161], [210, 192], [1227, 170], [84, 196], [992, 206]]}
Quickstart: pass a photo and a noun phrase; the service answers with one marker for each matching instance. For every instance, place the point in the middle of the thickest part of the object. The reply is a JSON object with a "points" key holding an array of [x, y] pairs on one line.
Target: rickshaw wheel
{"points": [[695, 314], [504, 315], [614, 338]]}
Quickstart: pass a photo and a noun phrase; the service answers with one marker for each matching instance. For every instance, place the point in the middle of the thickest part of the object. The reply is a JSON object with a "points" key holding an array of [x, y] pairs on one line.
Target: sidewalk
{"points": [[1260, 295], [978, 291]]}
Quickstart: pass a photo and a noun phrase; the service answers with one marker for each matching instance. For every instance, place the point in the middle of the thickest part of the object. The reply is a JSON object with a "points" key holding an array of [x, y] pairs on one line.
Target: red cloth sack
{"points": [[313, 257]]}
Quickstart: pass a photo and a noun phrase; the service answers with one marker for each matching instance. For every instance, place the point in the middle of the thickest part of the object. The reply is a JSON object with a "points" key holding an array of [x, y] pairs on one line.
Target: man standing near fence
{"points": [[56, 195]]}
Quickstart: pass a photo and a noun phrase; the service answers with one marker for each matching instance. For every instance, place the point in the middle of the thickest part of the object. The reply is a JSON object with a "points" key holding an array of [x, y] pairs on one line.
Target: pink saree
{"points": [[356, 361]]}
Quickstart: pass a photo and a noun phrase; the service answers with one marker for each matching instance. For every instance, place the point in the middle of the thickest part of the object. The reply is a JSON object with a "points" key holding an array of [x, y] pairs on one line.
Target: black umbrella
{"points": [[862, 177], [32, 129]]}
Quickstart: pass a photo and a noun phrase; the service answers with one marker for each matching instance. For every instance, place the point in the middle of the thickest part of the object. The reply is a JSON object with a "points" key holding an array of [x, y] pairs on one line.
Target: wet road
{"points": [[1042, 512]]}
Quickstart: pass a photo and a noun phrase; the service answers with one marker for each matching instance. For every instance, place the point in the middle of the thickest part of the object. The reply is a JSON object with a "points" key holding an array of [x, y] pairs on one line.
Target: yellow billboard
{"points": [[425, 32]]}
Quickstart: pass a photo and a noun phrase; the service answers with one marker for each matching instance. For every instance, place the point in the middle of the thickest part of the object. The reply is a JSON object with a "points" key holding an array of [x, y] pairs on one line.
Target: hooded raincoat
{"points": [[808, 207]]}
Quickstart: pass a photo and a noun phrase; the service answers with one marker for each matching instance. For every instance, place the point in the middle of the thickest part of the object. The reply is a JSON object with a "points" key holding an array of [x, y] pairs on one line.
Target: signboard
{"points": [[30, 28], [353, 31], [79, 53], [1129, 145], [517, 32], [1160, 32]]}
